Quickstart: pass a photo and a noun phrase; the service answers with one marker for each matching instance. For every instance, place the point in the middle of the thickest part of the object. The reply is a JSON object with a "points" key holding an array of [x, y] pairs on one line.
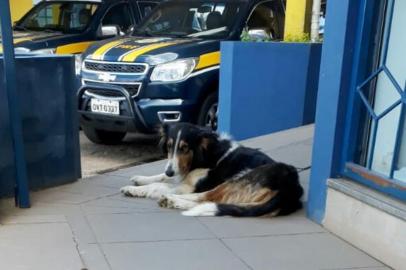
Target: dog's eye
{"points": [[184, 148]]}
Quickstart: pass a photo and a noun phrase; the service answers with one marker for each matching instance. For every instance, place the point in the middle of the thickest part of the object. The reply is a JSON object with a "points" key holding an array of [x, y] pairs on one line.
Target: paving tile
{"points": [[304, 178], [360, 268], [146, 227], [27, 219], [298, 154], [302, 251], [39, 209], [282, 138], [228, 227], [145, 169], [107, 180], [38, 246], [81, 229], [73, 194], [179, 255], [121, 201], [93, 257]]}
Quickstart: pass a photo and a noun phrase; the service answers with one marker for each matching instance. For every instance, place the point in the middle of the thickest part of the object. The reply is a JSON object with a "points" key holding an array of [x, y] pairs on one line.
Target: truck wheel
{"points": [[103, 137], [209, 112]]}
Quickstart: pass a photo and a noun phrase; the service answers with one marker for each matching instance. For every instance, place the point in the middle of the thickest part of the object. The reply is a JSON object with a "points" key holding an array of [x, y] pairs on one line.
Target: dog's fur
{"points": [[211, 175]]}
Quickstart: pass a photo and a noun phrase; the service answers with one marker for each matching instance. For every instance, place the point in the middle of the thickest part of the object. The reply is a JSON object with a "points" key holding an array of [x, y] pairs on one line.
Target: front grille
{"points": [[115, 67], [132, 89]]}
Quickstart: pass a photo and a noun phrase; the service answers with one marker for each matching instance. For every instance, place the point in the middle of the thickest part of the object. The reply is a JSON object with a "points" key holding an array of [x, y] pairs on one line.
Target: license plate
{"points": [[105, 106]]}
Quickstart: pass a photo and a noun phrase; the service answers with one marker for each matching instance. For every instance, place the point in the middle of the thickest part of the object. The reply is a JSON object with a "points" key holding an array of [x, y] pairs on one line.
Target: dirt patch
{"points": [[136, 149]]}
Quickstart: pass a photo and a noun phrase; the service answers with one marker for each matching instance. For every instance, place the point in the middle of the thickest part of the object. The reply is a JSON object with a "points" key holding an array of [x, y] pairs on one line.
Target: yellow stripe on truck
{"points": [[73, 48], [130, 57], [19, 40], [99, 53], [208, 60], [16, 41]]}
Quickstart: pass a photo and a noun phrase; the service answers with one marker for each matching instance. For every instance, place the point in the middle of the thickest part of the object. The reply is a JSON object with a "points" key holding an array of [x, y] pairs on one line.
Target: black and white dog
{"points": [[209, 175]]}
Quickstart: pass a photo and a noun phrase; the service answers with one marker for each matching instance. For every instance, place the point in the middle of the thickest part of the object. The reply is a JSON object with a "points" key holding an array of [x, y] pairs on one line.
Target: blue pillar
{"points": [[21, 194], [334, 86]]}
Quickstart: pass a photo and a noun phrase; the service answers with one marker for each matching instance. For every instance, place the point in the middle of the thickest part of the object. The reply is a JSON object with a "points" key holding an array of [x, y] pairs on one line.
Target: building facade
{"points": [[358, 179]]}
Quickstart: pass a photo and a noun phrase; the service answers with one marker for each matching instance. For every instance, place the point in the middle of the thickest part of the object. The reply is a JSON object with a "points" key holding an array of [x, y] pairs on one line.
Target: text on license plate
{"points": [[105, 106]]}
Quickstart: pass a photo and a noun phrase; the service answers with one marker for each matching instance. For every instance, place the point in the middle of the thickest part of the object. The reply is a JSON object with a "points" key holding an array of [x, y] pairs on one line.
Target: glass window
{"points": [[146, 8], [383, 142], [193, 19], [264, 17], [119, 15], [65, 17]]}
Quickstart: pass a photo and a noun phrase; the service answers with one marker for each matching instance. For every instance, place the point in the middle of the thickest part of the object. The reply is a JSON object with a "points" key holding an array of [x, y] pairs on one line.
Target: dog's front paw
{"points": [[137, 180], [163, 202], [131, 191]]}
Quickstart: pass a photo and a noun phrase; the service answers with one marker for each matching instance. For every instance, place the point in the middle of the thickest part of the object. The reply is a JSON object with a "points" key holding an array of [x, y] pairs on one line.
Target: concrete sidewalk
{"points": [[90, 225]]}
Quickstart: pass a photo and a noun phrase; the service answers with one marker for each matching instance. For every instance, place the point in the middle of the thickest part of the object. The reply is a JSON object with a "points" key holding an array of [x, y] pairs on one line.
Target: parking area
{"points": [[136, 149]]}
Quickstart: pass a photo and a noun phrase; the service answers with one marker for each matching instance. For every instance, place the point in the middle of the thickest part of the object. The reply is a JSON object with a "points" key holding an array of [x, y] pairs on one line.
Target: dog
{"points": [[211, 175]]}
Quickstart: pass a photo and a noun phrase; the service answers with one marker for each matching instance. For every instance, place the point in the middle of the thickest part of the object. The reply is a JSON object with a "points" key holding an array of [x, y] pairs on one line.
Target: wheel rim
{"points": [[211, 117]]}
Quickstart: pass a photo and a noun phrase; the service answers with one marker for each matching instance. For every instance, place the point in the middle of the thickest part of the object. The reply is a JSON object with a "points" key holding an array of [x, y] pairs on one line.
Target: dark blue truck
{"points": [[70, 26], [167, 70]]}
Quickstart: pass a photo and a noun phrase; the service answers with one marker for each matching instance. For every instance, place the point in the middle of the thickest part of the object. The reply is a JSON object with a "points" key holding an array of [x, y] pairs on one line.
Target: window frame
{"points": [[139, 8], [279, 19], [362, 70], [113, 6]]}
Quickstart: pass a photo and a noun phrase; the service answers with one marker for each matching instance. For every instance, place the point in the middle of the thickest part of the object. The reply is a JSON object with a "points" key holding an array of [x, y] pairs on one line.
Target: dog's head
{"points": [[186, 146]]}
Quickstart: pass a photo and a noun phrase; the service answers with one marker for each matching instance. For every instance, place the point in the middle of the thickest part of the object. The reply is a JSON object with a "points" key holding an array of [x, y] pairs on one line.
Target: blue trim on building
{"points": [[266, 87], [334, 86], [21, 186]]}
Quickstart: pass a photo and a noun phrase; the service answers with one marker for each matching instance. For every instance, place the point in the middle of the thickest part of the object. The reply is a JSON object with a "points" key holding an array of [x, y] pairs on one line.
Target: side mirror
{"points": [[107, 31], [130, 29], [259, 35]]}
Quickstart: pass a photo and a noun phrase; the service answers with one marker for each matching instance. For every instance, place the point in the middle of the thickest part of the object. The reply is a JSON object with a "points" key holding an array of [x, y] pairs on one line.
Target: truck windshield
{"points": [[64, 16], [191, 19]]}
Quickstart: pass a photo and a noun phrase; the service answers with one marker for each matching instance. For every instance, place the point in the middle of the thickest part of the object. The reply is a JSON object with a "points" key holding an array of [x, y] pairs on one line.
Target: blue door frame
{"points": [[21, 187], [343, 73], [334, 87], [376, 14]]}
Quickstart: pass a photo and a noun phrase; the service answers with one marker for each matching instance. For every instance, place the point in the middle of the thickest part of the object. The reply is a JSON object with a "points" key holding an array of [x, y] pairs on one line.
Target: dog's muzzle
{"points": [[170, 172]]}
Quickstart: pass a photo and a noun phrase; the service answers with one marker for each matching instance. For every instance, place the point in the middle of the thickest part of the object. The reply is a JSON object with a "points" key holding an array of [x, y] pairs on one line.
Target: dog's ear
{"points": [[208, 139], [163, 132]]}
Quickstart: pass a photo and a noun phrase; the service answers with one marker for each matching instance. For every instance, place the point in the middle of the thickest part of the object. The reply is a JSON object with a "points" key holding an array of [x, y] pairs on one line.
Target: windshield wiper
{"points": [[52, 30], [145, 33], [20, 27]]}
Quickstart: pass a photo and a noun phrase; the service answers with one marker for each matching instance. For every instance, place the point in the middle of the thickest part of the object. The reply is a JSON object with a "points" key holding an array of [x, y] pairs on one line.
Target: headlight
{"points": [[44, 51], [21, 50], [173, 71], [78, 63]]}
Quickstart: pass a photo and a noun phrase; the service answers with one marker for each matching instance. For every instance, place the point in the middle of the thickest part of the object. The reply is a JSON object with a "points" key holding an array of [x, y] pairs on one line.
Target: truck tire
{"points": [[103, 137], [209, 112]]}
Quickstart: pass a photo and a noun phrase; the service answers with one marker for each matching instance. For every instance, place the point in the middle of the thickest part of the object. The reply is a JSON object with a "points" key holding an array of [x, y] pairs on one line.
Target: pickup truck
{"points": [[70, 26], [167, 70]]}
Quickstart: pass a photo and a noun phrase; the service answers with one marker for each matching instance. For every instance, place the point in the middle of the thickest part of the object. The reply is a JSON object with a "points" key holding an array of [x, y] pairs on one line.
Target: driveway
{"points": [[136, 149]]}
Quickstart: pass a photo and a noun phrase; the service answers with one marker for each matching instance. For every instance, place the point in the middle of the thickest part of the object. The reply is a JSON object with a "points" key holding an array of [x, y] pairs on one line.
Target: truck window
{"points": [[192, 18], [119, 15], [69, 17], [146, 7], [265, 16]]}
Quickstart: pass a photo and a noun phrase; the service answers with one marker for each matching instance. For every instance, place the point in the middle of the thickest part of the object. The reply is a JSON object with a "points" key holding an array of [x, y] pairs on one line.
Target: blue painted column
{"points": [[21, 190], [334, 86]]}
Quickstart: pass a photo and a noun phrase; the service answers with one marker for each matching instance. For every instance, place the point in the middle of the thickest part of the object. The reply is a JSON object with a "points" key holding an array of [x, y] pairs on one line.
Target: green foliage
{"points": [[302, 38], [247, 38]]}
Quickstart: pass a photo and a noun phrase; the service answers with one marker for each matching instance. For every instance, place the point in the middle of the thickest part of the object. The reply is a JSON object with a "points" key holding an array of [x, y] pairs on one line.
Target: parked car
{"points": [[167, 70], [70, 26]]}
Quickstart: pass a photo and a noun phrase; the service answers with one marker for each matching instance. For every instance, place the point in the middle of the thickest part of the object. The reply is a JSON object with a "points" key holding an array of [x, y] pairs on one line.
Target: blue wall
{"points": [[47, 97], [335, 80], [267, 87]]}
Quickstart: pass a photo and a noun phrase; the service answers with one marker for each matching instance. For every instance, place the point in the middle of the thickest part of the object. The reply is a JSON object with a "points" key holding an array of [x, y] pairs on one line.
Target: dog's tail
{"points": [[275, 206]]}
